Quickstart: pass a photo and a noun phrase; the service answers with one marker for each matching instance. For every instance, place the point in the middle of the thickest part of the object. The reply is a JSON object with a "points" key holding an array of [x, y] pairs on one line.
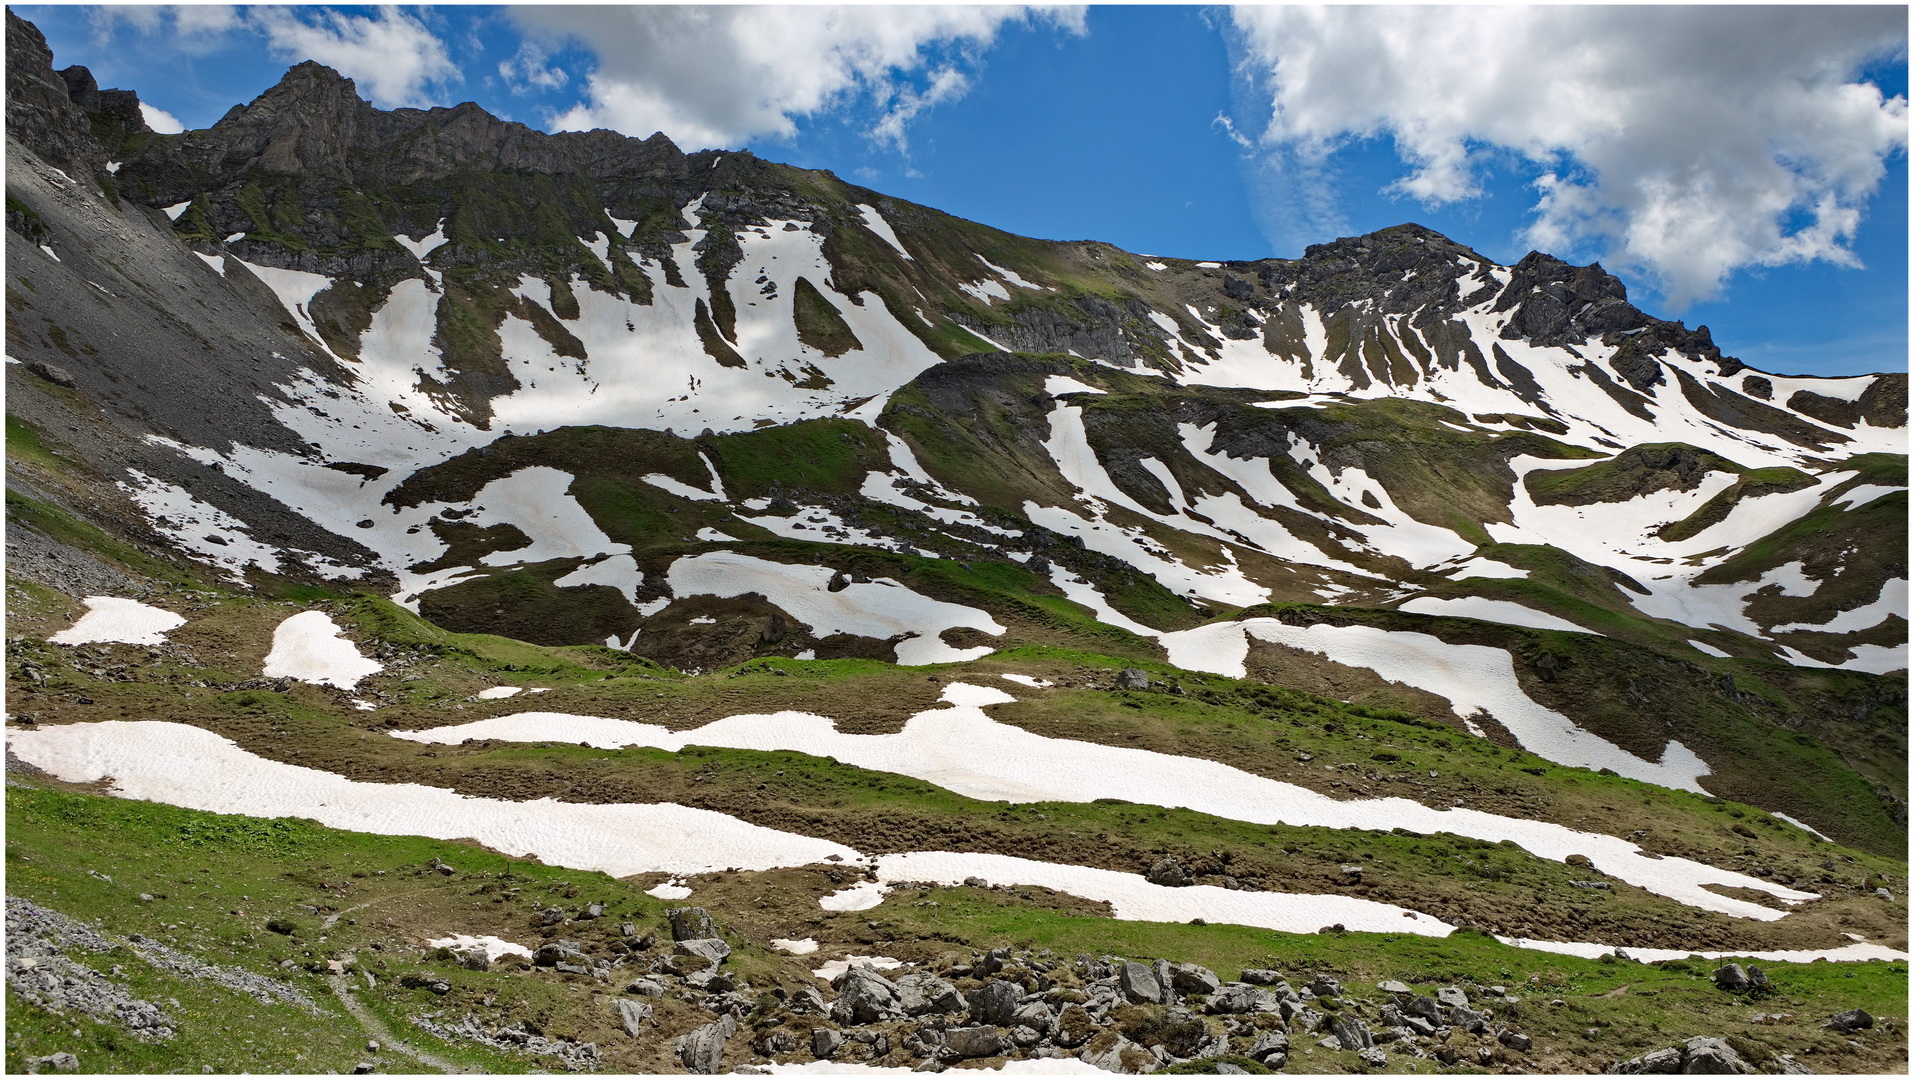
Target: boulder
{"points": [[688, 923], [865, 997], [1131, 678], [1353, 1033], [1261, 976], [552, 953], [711, 949], [1732, 978], [632, 1015], [1451, 997], [1515, 1040], [1390, 986], [996, 1002], [1074, 1026], [1112, 1052], [1268, 1044], [1139, 985], [1851, 1020], [1238, 998], [1373, 1058], [1034, 1015], [807, 1000], [921, 992], [702, 1051], [1168, 872], [1705, 1056], [59, 376], [1193, 979], [824, 1042], [974, 1042], [1324, 986]]}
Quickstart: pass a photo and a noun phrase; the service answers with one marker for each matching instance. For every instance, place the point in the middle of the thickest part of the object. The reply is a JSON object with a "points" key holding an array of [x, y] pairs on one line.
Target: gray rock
{"points": [[1465, 1019], [1324, 986], [1420, 1026], [1652, 1062], [1452, 997], [1139, 985], [1193, 979], [974, 1042], [1392, 1033], [712, 949], [59, 376], [1851, 1020], [1128, 678], [1034, 1015], [562, 951], [1353, 1033], [1269, 1043], [824, 1042], [1425, 1007], [1705, 1056], [632, 1015], [865, 997], [1785, 1065], [60, 1062], [1732, 978], [1261, 976], [646, 987], [996, 1002], [711, 981], [921, 992], [592, 911], [1238, 998], [808, 1001], [1168, 872], [1111, 1052], [1373, 1058], [702, 1051], [688, 923], [1515, 1040], [1390, 986], [551, 916]]}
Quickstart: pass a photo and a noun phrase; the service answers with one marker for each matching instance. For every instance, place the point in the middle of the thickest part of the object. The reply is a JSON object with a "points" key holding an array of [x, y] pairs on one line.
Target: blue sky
{"points": [[1739, 167]]}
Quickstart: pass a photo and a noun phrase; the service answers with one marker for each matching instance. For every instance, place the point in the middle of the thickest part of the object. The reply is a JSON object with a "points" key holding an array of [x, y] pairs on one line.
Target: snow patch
{"points": [[878, 224], [1501, 611], [493, 947], [310, 647], [112, 618]]}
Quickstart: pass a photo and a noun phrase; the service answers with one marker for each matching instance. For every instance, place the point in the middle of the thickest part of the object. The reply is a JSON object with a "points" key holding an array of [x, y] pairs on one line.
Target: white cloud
{"points": [[392, 57], [715, 76], [1686, 142], [160, 120]]}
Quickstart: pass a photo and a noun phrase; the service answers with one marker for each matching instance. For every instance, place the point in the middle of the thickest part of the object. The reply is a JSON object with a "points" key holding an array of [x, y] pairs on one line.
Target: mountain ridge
{"points": [[912, 520]]}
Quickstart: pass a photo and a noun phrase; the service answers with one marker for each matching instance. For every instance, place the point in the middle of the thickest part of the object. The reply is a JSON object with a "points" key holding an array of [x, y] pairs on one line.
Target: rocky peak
{"points": [[1404, 269], [41, 114]]}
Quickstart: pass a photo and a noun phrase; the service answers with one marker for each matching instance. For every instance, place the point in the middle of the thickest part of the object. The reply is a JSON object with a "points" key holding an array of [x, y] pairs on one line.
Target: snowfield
{"points": [[310, 647], [112, 618], [961, 748]]}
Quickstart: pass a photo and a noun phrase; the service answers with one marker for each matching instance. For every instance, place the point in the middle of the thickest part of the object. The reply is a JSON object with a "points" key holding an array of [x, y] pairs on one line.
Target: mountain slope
{"points": [[1385, 581]]}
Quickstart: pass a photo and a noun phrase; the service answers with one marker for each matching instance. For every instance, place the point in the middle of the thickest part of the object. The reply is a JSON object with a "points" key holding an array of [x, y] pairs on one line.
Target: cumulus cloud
{"points": [[392, 56], [161, 121], [194, 29], [716, 76], [1686, 142]]}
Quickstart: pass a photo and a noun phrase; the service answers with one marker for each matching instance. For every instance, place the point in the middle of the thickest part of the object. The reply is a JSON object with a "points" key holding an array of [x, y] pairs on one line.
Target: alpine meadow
{"points": [[489, 599]]}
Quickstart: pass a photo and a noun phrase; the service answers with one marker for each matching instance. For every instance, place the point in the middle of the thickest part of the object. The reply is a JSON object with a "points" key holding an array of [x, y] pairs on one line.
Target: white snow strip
{"points": [[1156, 265], [961, 748], [1501, 611], [1706, 648], [881, 609], [679, 487], [425, 245], [310, 647], [1088, 595], [1861, 494], [172, 212], [1134, 898], [669, 890], [49, 253], [1796, 823], [859, 897], [1010, 276], [1891, 601], [834, 968], [187, 766], [493, 947], [217, 262], [1847, 953], [795, 946], [1484, 567], [112, 618], [498, 693], [1027, 680], [1472, 677], [1063, 384], [618, 571], [881, 226]]}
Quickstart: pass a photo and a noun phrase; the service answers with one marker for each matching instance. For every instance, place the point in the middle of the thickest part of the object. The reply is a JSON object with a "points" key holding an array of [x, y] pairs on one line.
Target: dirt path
{"points": [[377, 1029]]}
